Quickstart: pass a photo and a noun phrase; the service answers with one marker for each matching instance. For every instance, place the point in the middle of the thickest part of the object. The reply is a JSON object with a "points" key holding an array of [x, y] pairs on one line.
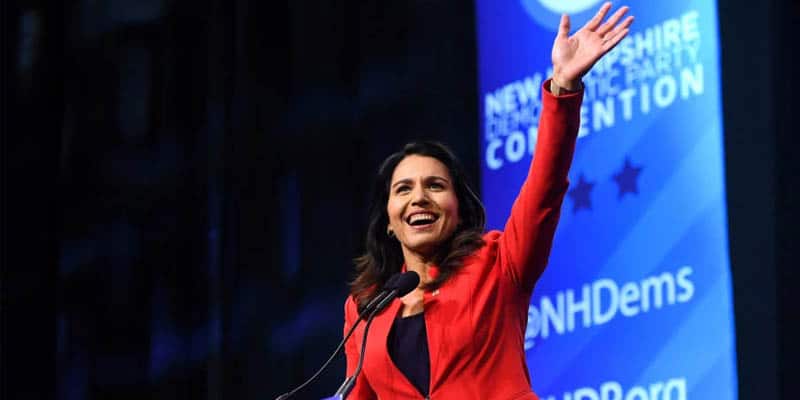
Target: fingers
{"points": [[595, 21], [608, 25], [563, 27], [612, 38]]}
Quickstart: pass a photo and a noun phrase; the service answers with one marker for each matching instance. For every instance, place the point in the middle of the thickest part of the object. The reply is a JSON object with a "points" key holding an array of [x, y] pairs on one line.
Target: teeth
{"points": [[421, 217]]}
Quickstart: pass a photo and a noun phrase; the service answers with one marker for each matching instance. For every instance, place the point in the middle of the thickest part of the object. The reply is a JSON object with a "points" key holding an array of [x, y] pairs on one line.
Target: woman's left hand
{"points": [[574, 55]]}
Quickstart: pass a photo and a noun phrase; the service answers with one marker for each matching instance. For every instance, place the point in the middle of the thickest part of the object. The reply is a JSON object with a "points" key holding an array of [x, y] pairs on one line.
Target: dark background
{"points": [[185, 184]]}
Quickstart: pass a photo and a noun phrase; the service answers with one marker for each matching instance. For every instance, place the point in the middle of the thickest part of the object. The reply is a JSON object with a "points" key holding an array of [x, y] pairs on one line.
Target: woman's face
{"points": [[423, 206]]}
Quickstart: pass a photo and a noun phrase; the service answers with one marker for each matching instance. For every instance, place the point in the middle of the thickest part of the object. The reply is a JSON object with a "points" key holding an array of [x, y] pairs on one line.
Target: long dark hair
{"points": [[383, 256]]}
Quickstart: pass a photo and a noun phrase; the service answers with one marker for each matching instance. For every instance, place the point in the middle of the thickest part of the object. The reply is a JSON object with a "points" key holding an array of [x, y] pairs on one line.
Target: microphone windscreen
{"points": [[391, 283], [406, 283]]}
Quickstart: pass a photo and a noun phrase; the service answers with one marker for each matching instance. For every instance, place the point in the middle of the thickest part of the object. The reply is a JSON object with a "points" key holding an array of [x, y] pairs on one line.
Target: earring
{"points": [[390, 233]]}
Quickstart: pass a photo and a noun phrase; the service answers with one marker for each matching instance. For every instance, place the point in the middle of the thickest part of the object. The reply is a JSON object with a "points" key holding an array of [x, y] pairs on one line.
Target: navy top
{"points": [[408, 348]]}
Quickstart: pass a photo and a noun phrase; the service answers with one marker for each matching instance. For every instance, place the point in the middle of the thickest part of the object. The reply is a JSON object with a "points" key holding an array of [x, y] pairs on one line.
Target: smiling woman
{"points": [[422, 211], [423, 207], [460, 334]]}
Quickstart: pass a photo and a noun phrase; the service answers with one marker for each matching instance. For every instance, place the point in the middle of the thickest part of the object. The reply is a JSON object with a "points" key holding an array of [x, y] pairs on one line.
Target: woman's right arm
{"points": [[362, 390], [528, 235]]}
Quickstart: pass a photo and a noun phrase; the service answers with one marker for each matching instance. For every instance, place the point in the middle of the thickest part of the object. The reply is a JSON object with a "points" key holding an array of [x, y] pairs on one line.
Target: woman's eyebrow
{"points": [[406, 180], [427, 178], [438, 177]]}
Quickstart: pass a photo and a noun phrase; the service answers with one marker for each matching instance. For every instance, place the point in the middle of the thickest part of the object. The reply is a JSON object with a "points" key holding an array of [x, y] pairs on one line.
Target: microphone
{"points": [[397, 286], [392, 284], [405, 284]]}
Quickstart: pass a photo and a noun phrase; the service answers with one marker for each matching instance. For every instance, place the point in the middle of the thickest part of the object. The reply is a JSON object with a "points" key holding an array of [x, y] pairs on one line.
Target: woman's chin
{"points": [[425, 243], [422, 248]]}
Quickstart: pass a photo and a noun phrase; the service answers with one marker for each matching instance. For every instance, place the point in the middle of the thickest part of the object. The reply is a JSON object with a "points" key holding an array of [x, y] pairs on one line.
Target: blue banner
{"points": [[636, 300]]}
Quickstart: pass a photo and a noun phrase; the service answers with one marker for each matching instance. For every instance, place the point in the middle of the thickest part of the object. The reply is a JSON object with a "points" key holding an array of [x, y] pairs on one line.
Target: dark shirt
{"points": [[408, 348]]}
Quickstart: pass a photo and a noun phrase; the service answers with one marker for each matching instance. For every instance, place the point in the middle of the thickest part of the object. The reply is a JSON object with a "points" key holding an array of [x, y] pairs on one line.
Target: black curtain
{"points": [[198, 174]]}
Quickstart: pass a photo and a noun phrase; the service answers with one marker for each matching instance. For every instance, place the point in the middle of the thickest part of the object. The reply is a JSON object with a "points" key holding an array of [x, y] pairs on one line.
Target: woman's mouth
{"points": [[421, 219]]}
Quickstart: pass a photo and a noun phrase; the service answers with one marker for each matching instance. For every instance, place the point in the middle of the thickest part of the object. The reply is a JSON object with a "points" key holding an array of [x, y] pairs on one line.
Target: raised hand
{"points": [[574, 55]]}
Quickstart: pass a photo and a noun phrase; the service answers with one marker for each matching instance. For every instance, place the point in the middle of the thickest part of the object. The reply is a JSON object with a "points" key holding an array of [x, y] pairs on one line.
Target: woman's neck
{"points": [[418, 264]]}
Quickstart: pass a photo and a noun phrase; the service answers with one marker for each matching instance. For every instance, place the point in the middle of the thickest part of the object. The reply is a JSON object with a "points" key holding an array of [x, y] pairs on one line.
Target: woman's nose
{"points": [[419, 195]]}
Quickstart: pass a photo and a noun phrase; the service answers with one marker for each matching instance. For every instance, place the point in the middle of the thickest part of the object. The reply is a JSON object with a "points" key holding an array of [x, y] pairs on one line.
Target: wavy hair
{"points": [[383, 256]]}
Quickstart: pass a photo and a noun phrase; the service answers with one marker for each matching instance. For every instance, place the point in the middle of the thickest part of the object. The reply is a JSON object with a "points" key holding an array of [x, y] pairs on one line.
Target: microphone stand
{"points": [[350, 381], [377, 300], [397, 285]]}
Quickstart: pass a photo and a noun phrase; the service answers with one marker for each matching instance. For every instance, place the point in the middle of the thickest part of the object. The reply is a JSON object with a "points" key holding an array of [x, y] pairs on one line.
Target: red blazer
{"points": [[476, 320]]}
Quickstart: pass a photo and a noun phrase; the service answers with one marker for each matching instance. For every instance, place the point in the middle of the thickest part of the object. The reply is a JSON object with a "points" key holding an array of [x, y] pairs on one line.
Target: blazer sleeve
{"points": [[362, 390], [524, 246]]}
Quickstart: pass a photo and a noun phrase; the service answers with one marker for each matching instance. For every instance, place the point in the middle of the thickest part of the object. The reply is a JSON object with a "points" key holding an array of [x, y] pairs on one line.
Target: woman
{"points": [[460, 334]]}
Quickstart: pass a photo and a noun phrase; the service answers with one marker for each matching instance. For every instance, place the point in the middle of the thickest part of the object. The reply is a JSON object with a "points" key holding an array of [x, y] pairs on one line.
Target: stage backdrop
{"points": [[636, 300]]}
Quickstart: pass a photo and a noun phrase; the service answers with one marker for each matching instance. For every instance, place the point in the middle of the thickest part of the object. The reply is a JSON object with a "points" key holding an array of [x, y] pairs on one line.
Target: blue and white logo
{"points": [[547, 13]]}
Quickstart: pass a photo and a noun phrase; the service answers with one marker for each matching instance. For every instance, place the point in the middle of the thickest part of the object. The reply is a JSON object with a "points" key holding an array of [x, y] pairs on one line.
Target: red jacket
{"points": [[476, 320]]}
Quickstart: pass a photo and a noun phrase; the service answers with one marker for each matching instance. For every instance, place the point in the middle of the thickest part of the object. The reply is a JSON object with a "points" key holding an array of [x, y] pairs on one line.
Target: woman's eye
{"points": [[437, 186], [402, 189]]}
